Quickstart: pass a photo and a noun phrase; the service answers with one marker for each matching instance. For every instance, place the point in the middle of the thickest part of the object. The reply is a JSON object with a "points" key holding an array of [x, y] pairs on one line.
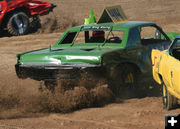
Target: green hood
{"points": [[64, 56]]}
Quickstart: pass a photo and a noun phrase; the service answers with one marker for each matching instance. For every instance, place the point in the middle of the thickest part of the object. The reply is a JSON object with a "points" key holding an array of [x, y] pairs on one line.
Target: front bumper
{"points": [[57, 72]]}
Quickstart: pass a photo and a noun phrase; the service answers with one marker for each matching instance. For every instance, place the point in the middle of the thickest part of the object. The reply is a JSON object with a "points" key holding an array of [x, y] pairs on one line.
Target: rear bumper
{"points": [[54, 72]]}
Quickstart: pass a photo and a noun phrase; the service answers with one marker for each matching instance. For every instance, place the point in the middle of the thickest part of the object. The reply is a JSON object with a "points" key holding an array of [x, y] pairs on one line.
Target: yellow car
{"points": [[166, 71]]}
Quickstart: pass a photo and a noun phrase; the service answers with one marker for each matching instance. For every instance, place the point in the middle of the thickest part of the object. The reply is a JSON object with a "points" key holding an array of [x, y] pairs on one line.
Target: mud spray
{"points": [[52, 23], [22, 102], [25, 100]]}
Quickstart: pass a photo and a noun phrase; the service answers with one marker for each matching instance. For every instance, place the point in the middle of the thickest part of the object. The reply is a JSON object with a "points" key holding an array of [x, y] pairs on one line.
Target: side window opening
{"points": [[94, 36], [151, 35], [176, 49], [69, 38]]}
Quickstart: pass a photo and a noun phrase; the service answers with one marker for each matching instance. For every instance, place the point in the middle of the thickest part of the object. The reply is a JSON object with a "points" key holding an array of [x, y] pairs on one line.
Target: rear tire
{"points": [[18, 24], [169, 101]]}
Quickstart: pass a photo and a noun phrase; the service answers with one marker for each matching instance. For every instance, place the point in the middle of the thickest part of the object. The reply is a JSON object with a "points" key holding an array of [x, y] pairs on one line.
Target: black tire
{"points": [[18, 24], [169, 101], [123, 80]]}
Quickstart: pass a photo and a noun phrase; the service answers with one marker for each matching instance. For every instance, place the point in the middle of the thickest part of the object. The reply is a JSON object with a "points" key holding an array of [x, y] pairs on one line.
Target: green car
{"points": [[119, 52]]}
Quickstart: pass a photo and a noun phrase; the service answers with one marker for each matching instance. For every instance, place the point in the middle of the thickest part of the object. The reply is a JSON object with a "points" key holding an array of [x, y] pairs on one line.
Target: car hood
{"points": [[64, 56]]}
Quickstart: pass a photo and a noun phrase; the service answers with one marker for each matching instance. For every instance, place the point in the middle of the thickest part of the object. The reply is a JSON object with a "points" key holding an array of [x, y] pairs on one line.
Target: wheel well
{"points": [[113, 68], [136, 68], [9, 14]]}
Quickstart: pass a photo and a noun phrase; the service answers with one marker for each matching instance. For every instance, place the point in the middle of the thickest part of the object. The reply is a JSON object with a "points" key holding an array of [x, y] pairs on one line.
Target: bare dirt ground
{"points": [[23, 107]]}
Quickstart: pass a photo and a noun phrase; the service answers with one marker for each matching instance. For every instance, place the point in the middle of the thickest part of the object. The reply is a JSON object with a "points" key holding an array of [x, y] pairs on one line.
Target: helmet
{"points": [[98, 33]]}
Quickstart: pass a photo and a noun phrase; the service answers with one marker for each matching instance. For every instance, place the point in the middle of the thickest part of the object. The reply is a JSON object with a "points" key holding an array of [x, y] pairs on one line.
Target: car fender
{"points": [[114, 59], [156, 57], [37, 7], [3, 8]]}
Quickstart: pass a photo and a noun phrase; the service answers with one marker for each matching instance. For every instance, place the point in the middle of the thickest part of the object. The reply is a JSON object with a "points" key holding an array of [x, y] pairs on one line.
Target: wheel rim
{"points": [[19, 23], [128, 84], [129, 79]]}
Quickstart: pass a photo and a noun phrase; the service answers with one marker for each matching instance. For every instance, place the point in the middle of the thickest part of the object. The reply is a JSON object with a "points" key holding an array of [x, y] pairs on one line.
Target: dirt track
{"points": [[135, 113]]}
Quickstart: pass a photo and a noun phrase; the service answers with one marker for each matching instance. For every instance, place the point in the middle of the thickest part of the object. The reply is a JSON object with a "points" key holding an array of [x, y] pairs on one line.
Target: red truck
{"points": [[18, 17]]}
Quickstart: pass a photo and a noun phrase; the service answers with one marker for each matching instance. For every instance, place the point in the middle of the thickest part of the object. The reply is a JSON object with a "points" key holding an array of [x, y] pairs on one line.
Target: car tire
{"points": [[169, 101], [18, 24], [123, 80]]}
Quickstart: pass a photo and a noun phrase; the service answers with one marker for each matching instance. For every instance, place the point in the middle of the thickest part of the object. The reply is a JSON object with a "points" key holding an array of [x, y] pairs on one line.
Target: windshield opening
{"points": [[93, 36]]}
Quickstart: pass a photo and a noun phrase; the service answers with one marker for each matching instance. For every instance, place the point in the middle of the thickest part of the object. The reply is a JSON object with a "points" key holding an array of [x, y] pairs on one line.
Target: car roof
{"points": [[124, 25]]}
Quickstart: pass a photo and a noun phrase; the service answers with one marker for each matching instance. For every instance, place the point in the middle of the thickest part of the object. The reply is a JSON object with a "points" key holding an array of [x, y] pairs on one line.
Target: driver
{"points": [[97, 36]]}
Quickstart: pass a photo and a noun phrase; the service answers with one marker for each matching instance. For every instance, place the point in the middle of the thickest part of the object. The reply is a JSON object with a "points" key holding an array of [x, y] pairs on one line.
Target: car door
{"points": [[174, 64], [172, 73], [161, 62]]}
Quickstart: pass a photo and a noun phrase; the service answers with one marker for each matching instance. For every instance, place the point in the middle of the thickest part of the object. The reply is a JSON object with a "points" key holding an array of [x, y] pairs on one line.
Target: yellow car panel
{"points": [[166, 68]]}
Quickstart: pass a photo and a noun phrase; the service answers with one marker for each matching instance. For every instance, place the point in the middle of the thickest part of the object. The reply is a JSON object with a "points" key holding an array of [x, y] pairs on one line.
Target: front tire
{"points": [[18, 24], [169, 101]]}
